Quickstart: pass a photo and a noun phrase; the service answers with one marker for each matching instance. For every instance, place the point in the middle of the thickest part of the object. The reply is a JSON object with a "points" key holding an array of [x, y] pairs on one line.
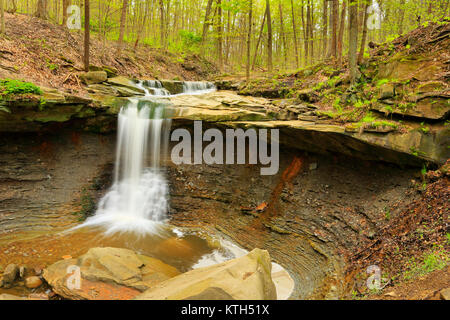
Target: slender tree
{"points": [[87, 17], [219, 34], [162, 23], [66, 4], [258, 42], [353, 39], [325, 28], [364, 33], [2, 16], [335, 18], [283, 35], [269, 38], [41, 9], [294, 27], [123, 20], [249, 38], [341, 32], [206, 22]]}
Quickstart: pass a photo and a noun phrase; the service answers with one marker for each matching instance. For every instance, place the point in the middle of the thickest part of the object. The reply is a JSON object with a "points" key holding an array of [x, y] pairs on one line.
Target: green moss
{"points": [[9, 87]]}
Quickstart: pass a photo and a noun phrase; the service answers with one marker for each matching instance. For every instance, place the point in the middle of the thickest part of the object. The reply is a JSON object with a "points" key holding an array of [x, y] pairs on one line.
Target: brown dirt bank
{"points": [[50, 55]]}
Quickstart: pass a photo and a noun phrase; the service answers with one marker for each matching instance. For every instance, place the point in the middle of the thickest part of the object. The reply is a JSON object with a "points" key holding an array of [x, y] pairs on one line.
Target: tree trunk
{"points": [[269, 38], [66, 4], [86, 34], [341, 32], [325, 28], [311, 31], [249, 39], [283, 35], [259, 40], [41, 10], [123, 20], [2, 16], [294, 26], [353, 39], [206, 22], [162, 24], [219, 34], [335, 13], [364, 34], [305, 35]]}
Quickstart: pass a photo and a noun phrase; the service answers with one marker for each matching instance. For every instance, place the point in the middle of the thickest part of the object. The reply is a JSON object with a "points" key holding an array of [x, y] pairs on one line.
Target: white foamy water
{"points": [[284, 283], [138, 200], [155, 88], [198, 87]]}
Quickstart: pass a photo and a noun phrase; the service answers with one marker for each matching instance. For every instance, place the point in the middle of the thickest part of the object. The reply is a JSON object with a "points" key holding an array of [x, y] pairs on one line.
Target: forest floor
{"points": [[412, 248], [50, 55]]}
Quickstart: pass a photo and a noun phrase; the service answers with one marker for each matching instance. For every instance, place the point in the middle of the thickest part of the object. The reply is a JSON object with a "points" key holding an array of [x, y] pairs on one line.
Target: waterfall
{"points": [[197, 87], [152, 88], [138, 200], [155, 88]]}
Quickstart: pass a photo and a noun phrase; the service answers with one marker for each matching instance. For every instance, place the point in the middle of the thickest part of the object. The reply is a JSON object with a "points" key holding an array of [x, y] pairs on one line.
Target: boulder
{"points": [[174, 87], [10, 274], [445, 294], [387, 91], [124, 82], [244, 278], [33, 282], [93, 77], [107, 274]]}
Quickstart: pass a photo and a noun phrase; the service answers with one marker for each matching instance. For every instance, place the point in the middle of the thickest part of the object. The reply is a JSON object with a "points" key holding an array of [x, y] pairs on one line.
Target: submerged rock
{"points": [[245, 278], [6, 296], [33, 282], [107, 274], [10, 275]]}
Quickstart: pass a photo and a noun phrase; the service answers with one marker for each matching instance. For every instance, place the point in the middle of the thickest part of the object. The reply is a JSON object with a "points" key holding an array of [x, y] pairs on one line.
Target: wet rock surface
{"points": [[301, 127], [59, 164], [307, 219], [245, 278], [107, 273]]}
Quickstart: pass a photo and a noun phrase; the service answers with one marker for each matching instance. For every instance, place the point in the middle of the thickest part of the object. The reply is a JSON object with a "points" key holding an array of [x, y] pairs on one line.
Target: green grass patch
{"points": [[435, 259], [9, 87]]}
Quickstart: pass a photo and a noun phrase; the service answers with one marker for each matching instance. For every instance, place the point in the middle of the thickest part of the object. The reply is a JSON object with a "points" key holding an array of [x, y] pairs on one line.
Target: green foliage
{"points": [[190, 40], [423, 128], [368, 118], [9, 87], [435, 259], [382, 81], [337, 104]]}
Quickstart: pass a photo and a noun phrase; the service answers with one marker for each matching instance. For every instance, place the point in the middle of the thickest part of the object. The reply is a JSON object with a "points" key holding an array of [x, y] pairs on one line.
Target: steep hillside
{"points": [[50, 55]]}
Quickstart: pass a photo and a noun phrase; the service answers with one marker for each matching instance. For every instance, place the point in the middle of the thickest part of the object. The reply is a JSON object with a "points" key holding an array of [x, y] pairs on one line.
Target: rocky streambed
{"points": [[331, 193]]}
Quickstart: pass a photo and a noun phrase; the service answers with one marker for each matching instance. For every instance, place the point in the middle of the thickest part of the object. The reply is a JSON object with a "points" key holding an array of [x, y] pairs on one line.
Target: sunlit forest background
{"points": [[283, 34]]}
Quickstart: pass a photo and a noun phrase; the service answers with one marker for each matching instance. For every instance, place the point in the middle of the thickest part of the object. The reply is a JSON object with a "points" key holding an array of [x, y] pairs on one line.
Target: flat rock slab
{"points": [[107, 273], [244, 278]]}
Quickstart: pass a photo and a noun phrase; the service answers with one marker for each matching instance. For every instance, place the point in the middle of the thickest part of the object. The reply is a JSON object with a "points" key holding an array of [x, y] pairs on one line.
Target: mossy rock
{"points": [[121, 81], [174, 87], [93, 77]]}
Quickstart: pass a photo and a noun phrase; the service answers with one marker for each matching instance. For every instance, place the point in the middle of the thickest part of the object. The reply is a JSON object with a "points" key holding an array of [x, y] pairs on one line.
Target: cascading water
{"points": [[197, 87], [138, 200]]}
